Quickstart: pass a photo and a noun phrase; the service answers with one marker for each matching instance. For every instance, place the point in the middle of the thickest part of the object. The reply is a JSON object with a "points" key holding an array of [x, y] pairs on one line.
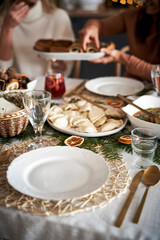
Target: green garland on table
{"points": [[110, 146]]}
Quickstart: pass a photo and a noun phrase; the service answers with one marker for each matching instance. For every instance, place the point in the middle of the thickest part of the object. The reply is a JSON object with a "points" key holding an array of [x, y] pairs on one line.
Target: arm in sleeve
{"points": [[112, 25], [137, 67], [6, 62]]}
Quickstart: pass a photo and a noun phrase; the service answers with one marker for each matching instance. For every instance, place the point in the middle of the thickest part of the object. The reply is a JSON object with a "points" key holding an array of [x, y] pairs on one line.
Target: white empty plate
{"points": [[57, 173], [111, 86]]}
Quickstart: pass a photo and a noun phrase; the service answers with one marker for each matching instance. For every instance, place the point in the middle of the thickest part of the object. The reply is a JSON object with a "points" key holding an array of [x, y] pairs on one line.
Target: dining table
{"points": [[90, 217]]}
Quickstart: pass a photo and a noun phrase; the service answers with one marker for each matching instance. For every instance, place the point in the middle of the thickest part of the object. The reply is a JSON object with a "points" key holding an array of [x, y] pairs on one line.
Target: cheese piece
{"points": [[95, 113], [7, 107], [110, 125], [115, 113], [61, 122], [100, 121], [89, 128]]}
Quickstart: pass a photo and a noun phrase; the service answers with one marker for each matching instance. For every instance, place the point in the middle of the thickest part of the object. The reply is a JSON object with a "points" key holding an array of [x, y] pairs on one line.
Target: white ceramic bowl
{"points": [[144, 102]]}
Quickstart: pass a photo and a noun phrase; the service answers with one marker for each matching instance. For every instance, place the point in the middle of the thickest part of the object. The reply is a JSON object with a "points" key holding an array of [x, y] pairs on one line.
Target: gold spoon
{"points": [[156, 118], [151, 177], [4, 156]]}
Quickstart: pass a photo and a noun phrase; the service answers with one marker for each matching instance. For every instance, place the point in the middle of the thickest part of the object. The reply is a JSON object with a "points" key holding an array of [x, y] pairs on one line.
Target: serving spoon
{"points": [[156, 118], [151, 177]]}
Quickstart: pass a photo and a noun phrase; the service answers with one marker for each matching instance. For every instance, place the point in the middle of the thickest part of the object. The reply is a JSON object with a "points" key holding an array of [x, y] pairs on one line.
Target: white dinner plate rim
{"points": [[81, 134], [91, 84], [16, 177], [70, 56]]}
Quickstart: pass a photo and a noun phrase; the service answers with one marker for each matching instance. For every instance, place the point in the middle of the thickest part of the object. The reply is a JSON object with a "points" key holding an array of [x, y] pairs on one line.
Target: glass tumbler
{"points": [[55, 84], [144, 144]]}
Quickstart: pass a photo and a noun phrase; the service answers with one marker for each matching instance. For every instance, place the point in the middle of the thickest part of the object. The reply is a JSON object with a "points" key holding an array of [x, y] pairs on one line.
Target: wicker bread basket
{"points": [[12, 124]]}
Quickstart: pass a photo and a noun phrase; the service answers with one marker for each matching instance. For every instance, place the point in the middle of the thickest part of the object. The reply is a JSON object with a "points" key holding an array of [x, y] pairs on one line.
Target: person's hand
{"points": [[110, 56], [47, 59], [14, 16], [90, 33]]}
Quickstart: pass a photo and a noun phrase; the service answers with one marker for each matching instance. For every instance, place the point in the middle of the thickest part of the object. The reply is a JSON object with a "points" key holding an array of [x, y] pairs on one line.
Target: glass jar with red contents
{"points": [[55, 84]]}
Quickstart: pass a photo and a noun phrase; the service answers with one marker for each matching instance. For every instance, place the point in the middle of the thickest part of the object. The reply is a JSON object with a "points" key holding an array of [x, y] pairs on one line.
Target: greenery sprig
{"points": [[110, 146]]}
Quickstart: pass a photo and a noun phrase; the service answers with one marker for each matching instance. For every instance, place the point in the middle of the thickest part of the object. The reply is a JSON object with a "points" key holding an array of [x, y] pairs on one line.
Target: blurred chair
{"points": [[118, 67], [77, 69]]}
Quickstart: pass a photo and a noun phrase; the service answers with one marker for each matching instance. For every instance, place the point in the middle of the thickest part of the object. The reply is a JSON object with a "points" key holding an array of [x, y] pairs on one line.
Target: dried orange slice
{"points": [[50, 82], [12, 85], [114, 103], [125, 139], [21, 75], [74, 141]]}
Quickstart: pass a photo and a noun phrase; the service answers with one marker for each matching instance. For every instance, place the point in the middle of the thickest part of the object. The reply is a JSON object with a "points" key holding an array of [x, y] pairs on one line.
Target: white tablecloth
{"points": [[96, 225]]}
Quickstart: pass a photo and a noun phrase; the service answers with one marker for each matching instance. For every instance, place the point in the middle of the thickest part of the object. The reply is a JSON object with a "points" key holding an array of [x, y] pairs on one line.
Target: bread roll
{"points": [[91, 48], [76, 47], [43, 45]]}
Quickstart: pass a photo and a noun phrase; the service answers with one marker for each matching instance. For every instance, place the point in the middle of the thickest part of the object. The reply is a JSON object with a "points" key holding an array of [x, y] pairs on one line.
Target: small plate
{"points": [[58, 173], [111, 86], [69, 56]]}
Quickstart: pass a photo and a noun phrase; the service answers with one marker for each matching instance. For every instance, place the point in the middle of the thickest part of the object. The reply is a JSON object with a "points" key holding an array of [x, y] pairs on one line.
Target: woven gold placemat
{"points": [[116, 184]]}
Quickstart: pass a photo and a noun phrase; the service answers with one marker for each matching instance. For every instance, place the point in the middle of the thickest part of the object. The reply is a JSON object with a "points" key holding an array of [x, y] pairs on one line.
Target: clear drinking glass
{"points": [[144, 144], [37, 105], [155, 75]]}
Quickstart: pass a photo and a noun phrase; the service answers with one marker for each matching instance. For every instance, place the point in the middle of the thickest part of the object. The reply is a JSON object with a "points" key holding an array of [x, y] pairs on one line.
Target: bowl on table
{"points": [[144, 102]]}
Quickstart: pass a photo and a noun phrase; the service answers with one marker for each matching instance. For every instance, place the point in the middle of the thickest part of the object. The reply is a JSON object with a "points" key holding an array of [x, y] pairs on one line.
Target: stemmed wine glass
{"points": [[155, 75], [37, 105]]}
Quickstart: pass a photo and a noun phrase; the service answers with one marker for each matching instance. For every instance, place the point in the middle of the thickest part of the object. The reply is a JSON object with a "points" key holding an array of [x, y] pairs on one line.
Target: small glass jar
{"points": [[55, 84]]}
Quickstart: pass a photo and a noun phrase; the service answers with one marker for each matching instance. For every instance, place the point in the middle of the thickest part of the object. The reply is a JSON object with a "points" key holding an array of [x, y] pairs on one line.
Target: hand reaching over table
{"points": [[134, 66]]}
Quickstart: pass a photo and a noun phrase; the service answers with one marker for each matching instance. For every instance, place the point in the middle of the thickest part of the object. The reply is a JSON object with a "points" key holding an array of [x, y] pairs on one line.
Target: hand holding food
{"points": [[90, 33], [111, 55]]}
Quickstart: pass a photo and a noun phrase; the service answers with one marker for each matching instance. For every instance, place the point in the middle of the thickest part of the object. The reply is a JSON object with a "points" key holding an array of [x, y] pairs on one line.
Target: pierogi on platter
{"points": [[83, 116]]}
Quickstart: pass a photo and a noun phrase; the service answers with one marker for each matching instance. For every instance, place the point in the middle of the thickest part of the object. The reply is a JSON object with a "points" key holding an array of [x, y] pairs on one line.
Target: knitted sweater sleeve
{"points": [[6, 64], [112, 25], [138, 68]]}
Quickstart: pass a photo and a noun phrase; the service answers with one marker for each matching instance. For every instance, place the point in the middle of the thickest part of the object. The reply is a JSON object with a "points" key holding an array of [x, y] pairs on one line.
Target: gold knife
{"points": [[133, 186], [4, 156]]}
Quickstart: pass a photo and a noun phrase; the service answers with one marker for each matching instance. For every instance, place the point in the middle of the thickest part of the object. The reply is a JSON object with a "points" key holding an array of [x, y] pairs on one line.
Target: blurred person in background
{"points": [[142, 26], [133, 65], [22, 23]]}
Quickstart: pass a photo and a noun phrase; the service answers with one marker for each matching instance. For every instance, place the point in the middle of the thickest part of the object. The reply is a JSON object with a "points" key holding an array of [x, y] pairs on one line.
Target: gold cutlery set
{"points": [[149, 177]]}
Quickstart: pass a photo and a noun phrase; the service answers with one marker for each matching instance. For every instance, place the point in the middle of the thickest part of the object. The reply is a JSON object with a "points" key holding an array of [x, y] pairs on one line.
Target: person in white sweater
{"points": [[22, 25]]}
